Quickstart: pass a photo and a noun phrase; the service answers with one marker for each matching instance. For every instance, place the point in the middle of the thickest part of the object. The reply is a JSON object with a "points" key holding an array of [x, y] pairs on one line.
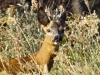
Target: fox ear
{"points": [[42, 16]]}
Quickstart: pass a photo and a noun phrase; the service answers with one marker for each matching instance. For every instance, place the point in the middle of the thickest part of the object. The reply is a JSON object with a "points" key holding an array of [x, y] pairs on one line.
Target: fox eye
{"points": [[48, 30]]}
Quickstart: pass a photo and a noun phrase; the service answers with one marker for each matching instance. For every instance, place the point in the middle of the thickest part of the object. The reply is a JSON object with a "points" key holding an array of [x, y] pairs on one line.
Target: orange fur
{"points": [[44, 57]]}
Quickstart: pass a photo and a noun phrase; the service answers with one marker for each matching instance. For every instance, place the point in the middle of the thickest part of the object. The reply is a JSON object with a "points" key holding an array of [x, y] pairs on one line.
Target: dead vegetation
{"points": [[79, 52]]}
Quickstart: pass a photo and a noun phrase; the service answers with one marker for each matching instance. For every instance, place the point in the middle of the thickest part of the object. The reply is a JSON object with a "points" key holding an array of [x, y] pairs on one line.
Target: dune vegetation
{"points": [[79, 53]]}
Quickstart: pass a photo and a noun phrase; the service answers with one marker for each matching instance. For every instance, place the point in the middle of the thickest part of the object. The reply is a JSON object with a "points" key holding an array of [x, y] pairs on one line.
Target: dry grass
{"points": [[21, 36], [82, 58]]}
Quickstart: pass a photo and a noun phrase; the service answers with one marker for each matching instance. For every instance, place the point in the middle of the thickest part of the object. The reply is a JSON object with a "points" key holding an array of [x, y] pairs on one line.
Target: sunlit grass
{"points": [[22, 36]]}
